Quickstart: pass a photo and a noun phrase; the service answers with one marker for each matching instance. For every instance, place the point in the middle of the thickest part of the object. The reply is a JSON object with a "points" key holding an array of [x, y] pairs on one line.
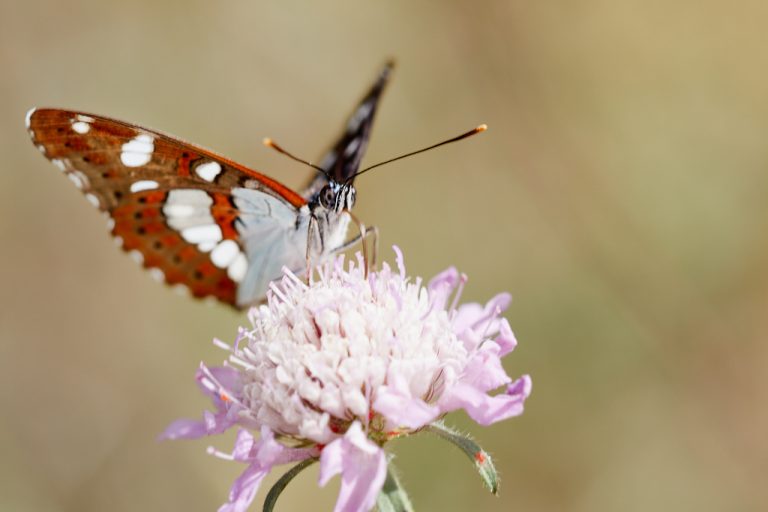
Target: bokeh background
{"points": [[620, 195]]}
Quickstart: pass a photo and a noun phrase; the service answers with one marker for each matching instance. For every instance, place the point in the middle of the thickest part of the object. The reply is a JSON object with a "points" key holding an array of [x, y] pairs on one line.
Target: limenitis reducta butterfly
{"points": [[199, 219]]}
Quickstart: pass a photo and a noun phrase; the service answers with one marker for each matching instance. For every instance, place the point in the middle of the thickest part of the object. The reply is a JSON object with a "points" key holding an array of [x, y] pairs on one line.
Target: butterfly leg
{"points": [[313, 225], [370, 262], [370, 231]]}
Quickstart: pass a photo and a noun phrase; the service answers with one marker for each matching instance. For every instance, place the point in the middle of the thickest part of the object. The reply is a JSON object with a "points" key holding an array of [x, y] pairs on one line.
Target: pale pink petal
{"points": [[363, 468], [262, 456], [244, 446], [486, 409], [244, 489], [184, 429], [506, 338], [401, 409], [498, 303], [484, 370], [267, 451], [466, 316], [441, 286], [488, 323], [400, 261], [214, 382], [192, 429], [331, 461], [225, 379], [521, 388]]}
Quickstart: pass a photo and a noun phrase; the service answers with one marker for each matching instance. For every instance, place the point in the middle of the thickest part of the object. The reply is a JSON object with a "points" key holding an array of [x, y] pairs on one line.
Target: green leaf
{"points": [[274, 492], [477, 455], [392, 497]]}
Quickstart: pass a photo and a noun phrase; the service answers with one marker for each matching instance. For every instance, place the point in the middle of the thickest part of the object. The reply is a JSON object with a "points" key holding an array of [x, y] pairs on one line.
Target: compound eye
{"points": [[327, 197]]}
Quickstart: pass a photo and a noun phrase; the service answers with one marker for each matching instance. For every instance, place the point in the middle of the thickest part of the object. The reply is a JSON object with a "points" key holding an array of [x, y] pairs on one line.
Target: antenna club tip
{"points": [[481, 128], [267, 141]]}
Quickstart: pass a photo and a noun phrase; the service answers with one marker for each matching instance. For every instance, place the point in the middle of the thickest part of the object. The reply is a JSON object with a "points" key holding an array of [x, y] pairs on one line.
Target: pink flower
{"points": [[334, 369]]}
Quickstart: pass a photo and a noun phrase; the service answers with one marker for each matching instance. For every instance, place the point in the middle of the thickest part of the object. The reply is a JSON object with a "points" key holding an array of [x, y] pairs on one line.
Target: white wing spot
{"points": [[138, 151], [178, 210], [188, 211], [136, 256], [81, 127], [93, 199], [202, 233], [237, 268], [138, 186], [189, 197], [118, 241], [28, 118], [358, 117], [79, 179], [61, 164], [208, 171], [40, 147], [225, 253], [188, 208], [206, 246], [181, 289], [353, 145], [110, 223], [85, 119], [157, 274]]}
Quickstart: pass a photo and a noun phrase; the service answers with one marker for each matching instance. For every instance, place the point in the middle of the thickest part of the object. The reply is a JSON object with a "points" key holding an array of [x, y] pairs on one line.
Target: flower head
{"points": [[336, 368]]}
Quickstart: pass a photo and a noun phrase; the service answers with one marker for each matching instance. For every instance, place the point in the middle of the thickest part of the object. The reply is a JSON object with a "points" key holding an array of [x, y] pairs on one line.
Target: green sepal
{"points": [[274, 492], [476, 454], [392, 497]]}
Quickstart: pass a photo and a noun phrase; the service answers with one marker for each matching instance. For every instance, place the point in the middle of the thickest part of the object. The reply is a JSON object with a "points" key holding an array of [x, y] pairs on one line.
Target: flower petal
{"points": [[331, 461], [466, 316], [481, 321], [184, 429], [400, 407], [484, 370], [363, 468], [244, 445], [215, 380], [262, 455], [441, 286], [486, 409], [193, 429], [244, 489], [506, 339]]}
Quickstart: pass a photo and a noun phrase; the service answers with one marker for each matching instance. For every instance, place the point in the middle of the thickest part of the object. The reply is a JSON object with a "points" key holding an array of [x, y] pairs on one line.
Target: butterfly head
{"points": [[337, 196]]}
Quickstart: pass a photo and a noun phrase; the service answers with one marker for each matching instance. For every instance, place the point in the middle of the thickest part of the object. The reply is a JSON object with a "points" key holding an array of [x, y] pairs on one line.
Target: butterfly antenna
{"points": [[470, 133], [272, 144]]}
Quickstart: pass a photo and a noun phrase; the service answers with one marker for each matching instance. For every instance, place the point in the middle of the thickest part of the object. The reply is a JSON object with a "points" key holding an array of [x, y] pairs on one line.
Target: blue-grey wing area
{"points": [[343, 159], [274, 234]]}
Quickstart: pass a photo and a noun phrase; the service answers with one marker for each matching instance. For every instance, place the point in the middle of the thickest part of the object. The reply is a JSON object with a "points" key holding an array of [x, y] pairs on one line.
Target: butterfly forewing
{"points": [[342, 161], [170, 202]]}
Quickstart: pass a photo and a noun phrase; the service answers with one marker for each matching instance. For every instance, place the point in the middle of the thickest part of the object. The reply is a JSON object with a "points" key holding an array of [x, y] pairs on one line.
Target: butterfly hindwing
{"points": [[170, 202], [342, 161]]}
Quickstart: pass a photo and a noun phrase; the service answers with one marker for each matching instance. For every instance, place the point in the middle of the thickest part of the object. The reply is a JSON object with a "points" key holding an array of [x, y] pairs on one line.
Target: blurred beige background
{"points": [[620, 195]]}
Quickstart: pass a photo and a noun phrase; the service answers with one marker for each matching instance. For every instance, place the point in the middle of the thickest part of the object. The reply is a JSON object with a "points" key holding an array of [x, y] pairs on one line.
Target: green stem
{"points": [[274, 492], [392, 497], [476, 454]]}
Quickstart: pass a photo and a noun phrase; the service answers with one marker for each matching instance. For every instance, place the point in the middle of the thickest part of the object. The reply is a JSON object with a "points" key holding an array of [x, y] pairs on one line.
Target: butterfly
{"points": [[197, 218]]}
